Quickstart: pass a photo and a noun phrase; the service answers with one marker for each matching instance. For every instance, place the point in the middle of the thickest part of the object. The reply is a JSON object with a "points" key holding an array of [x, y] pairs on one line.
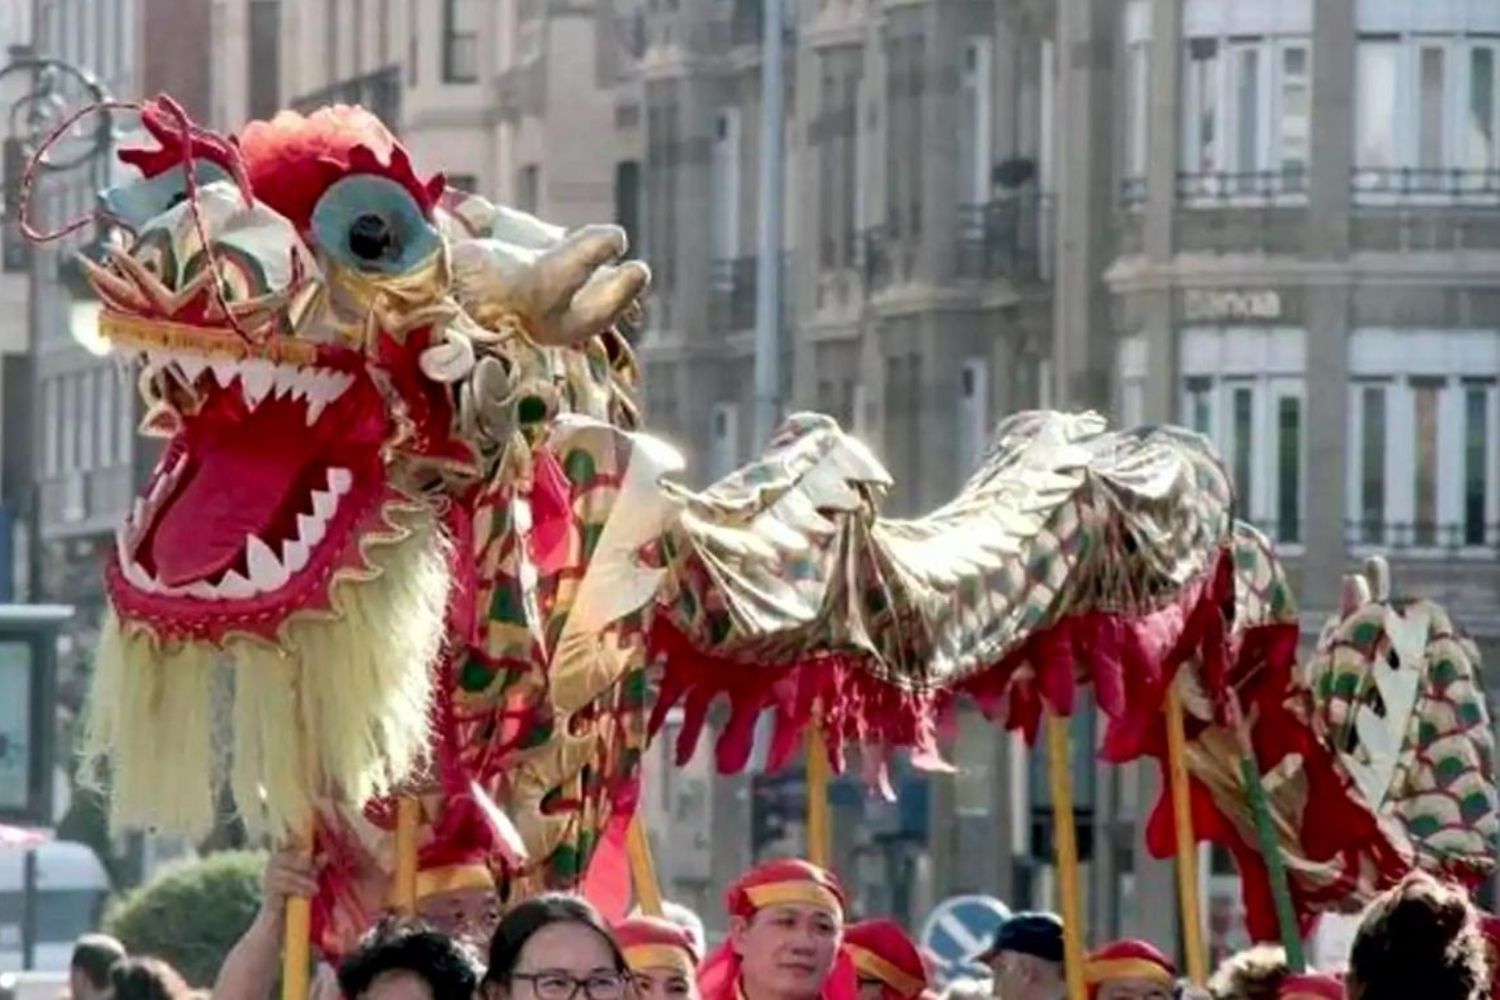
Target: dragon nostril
{"points": [[371, 238]]}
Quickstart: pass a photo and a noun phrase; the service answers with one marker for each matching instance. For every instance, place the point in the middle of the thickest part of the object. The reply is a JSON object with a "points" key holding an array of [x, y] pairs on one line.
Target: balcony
{"points": [[1405, 210], [1011, 238], [731, 301], [378, 92], [1472, 539], [1238, 213]]}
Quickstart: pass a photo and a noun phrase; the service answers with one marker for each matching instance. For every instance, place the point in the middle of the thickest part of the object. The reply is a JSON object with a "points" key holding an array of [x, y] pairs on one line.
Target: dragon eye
{"points": [[371, 238], [373, 225]]}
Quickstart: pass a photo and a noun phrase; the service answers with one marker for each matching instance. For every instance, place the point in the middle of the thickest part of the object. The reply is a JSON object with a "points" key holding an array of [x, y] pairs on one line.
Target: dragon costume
{"points": [[407, 537], [1376, 754]]}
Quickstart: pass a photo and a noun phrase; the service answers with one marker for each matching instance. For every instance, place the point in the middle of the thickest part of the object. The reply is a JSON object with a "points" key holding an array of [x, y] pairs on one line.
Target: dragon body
{"points": [[407, 536]]}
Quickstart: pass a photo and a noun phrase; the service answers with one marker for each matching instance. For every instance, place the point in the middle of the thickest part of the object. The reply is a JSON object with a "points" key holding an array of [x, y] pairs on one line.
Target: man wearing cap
{"points": [[886, 961], [1129, 970], [1026, 958], [786, 921], [662, 959], [1314, 986]]}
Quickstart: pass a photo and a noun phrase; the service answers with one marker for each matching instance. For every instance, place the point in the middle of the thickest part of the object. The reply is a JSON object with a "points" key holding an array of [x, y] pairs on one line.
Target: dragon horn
{"points": [[1378, 572], [1354, 595]]}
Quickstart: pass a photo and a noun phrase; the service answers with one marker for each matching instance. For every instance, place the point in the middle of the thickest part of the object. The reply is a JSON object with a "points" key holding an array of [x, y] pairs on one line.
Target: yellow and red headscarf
{"points": [[1314, 986], [1128, 959], [778, 882], [880, 949], [654, 943]]}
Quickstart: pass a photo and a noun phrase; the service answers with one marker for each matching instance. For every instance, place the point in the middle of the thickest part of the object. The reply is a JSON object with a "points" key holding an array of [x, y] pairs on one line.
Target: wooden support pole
{"points": [[1187, 843], [819, 831], [408, 814], [1061, 780], [642, 868], [296, 949]]}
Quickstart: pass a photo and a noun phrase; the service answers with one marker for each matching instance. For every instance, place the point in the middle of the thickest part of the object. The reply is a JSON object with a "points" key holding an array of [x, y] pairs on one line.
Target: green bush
{"points": [[192, 914]]}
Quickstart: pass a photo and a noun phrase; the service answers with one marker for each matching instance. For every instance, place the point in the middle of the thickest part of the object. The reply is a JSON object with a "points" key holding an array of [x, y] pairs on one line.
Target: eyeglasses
{"points": [[561, 986]]}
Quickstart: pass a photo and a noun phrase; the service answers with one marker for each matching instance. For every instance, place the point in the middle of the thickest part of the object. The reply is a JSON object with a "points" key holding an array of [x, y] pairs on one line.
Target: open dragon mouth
{"points": [[270, 470]]}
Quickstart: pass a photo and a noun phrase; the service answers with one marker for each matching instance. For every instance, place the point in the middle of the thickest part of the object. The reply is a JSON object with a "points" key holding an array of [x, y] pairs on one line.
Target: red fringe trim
{"points": [[1128, 657]]}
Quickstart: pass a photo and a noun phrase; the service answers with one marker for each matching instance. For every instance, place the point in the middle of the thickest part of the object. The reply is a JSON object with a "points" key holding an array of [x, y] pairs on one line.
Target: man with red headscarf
{"points": [[888, 964], [662, 959], [786, 924], [1313, 986], [1129, 970]]}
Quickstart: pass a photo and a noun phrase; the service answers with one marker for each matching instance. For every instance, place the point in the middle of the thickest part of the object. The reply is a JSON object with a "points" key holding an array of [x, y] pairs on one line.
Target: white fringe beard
{"points": [[339, 710]]}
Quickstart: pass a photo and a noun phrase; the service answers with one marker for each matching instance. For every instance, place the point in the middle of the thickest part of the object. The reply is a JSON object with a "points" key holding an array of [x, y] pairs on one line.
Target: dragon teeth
{"points": [[266, 571]]}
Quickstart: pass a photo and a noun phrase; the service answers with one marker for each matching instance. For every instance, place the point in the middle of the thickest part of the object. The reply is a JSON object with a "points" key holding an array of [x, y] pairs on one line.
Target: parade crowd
{"points": [[789, 939]]}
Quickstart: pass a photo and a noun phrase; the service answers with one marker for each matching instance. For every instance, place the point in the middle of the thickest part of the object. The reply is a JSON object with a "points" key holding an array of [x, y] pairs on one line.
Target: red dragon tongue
{"points": [[236, 486]]}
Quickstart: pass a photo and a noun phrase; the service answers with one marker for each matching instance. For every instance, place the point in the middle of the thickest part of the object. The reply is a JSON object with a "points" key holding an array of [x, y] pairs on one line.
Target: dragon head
{"points": [[1396, 694], [338, 351]]}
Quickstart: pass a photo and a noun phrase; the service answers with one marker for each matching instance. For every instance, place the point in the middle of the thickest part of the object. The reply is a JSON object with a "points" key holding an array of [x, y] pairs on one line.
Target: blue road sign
{"points": [[958, 930]]}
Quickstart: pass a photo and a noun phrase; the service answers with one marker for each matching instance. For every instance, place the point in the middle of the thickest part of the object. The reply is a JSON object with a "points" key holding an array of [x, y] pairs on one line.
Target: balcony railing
{"points": [[1425, 184], [1009, 238], [1433, 538], [1221, 187], [378, 92]]}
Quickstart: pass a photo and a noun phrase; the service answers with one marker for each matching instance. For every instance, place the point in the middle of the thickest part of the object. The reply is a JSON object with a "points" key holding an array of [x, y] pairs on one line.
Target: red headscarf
{"points": [[1128, 959], [1489, 926], [881, 950], [654, 943], [1314, 986], [788, 881]]}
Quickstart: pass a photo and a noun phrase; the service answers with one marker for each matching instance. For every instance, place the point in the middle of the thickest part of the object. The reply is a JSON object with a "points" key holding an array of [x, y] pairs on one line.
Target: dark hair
{"points": [[410, 946], [1253, 974], [147, 979], [1419, 939], [523, 920], [95, 955]]}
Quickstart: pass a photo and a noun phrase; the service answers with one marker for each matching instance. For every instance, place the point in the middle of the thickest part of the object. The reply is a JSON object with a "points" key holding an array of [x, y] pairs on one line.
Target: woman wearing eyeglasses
{"points": [[663, 962], [554, 947]]}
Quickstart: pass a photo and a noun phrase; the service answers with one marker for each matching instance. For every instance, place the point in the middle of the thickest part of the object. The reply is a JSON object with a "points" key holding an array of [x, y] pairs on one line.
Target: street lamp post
{"points": [[55, 90]]}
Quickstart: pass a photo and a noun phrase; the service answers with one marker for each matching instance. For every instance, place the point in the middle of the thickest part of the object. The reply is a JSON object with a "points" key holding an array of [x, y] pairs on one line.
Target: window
{"points": [[1377, 97], [905, 83], [1202, 107], [529, 188], [1243, 389], [52, 426], [836, 138], [1372, 457], [1427, 115], [1247, 116], [125, 425], [265, 56], [974, 112], [461, 41], [1296, 115], [1288, 469], [724, 220], [1425, 457], [331, 40], [104, 387], [1479, 446], [1480, 132], [413, 42], [1430, 131], [87, 420], [628, 199], [466, 183], [69, 426]]}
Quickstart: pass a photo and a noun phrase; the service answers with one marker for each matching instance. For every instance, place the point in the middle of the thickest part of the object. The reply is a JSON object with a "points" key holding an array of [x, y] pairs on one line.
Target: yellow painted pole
{"points": [[819, 832], [296, 949], [1187, 843], [1060, 777], [408, 813], [642, 867]]}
